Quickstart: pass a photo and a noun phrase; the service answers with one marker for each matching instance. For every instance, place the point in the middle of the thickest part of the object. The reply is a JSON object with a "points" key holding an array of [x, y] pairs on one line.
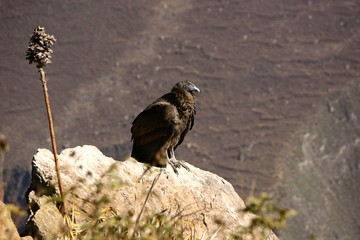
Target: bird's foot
{"points": [[174, 166], [177, 164]]}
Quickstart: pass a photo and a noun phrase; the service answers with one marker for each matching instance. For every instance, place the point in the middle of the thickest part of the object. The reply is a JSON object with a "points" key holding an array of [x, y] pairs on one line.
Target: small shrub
{"points": [[267, 217]]}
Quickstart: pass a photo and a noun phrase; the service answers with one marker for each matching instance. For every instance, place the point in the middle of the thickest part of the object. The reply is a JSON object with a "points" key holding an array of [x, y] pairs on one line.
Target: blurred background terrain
{"points": [[278, 112]]}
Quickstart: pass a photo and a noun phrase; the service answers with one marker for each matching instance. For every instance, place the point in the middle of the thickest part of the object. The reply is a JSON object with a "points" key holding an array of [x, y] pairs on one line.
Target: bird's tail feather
{"points": [[153, 153]]}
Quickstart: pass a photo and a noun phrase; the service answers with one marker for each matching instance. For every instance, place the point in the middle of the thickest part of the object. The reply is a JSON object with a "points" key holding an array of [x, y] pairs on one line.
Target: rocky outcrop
{"points": [[7, 227], [207, 203]]}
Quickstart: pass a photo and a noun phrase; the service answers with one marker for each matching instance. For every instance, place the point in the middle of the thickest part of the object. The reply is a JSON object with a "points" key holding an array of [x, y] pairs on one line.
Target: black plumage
{"points": [[161, 127]]}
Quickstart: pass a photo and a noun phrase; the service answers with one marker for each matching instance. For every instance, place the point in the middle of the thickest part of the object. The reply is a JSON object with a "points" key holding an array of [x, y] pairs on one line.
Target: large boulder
{"points": [[207, 203]]}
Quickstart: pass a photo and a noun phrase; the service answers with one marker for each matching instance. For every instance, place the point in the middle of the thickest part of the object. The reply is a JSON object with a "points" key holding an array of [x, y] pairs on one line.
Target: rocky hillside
{"points": [[266, 70], [322, 171]]}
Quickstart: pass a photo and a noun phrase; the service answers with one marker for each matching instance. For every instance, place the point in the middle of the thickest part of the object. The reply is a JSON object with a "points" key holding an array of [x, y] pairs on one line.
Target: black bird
{"points": [[161, 127]]}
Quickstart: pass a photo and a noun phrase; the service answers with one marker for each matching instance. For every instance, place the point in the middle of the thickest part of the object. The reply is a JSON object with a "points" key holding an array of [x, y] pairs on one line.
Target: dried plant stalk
{"points": [[39, 52]]}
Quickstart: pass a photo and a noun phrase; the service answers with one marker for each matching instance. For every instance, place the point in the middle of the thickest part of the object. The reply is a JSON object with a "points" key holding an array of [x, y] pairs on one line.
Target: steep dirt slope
{"points": [[263, 67], [322, 173]]}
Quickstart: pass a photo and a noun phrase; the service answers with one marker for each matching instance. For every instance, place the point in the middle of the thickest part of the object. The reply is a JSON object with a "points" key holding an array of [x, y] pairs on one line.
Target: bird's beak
{"points": [[194, 88]]}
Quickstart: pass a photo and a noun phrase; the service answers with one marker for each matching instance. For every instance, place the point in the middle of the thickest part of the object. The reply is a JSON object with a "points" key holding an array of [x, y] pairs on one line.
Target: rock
{"points": [[47, 222], [207, 203], [4, 147], [7, 226]]}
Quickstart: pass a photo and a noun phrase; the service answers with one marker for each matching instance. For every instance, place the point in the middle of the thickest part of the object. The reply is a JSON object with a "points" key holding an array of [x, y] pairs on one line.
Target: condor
{"points": [[161, 127]]}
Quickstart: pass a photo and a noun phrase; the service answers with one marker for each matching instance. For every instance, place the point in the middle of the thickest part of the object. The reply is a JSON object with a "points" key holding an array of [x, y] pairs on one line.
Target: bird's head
{"points": [[187, 86]]}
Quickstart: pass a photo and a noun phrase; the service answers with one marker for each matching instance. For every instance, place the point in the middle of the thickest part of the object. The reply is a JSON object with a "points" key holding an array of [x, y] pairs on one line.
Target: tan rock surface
{"points": [[206, 201], [7, 226]]}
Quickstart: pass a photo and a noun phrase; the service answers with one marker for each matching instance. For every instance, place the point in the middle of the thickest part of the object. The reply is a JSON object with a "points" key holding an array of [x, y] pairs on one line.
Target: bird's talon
{"points": [[177, 164], [184, 166], [174, 166]]}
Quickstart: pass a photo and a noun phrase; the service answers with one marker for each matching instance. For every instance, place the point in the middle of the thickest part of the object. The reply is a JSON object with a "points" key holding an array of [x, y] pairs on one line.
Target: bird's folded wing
{"points": [[156, 120]]}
